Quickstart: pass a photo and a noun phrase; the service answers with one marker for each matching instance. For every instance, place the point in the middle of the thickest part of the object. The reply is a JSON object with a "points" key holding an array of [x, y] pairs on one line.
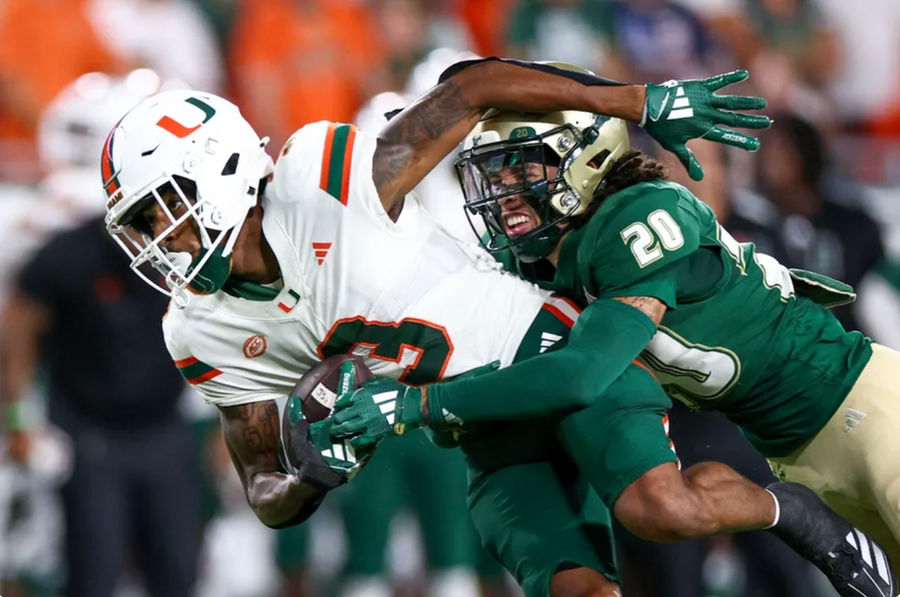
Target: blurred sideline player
{"points": [[70, 130], [73, 312]]}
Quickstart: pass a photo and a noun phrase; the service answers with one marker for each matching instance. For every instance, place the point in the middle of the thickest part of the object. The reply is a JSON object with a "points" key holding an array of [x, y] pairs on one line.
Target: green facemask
{"points": [[213, 274]]}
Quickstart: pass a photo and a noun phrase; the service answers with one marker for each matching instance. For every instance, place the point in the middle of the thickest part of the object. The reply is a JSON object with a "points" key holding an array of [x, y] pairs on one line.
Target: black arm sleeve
{"points": [[581, 77]]}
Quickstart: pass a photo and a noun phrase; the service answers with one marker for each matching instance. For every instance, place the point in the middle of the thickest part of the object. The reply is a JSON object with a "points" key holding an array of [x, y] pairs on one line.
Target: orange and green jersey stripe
{"points": [[107, 170], [336, 159], [196, 371]]}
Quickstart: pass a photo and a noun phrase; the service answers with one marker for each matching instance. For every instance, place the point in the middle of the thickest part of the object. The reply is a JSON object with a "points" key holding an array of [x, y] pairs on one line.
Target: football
{"points": [[317, 389]]}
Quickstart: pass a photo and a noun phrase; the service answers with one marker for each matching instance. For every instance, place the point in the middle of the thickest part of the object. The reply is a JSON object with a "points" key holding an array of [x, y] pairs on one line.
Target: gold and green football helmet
{"points": [[553, 161]]}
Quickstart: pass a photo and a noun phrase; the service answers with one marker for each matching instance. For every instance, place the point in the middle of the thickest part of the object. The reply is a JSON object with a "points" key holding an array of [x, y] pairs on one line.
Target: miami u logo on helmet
{"points": [[178, 129]]}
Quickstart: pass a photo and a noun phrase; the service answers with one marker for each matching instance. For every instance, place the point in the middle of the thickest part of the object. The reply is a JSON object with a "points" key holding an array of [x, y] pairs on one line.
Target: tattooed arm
{"points": [[419, 137], [650, 306], [252, 434]]}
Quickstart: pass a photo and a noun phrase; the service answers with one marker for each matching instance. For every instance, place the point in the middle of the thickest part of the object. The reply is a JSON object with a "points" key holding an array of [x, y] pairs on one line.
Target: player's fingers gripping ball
{"points": [[306, 425], [379, 408]]}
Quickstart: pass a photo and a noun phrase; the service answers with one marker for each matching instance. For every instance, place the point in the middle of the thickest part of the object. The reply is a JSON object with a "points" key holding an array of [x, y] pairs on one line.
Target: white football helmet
{"points": [[199, 146], [71, 133], [74, 126]]}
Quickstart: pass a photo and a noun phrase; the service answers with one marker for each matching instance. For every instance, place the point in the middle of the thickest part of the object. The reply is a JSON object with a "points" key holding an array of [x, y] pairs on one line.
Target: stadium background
{"points": [[830, 70]]}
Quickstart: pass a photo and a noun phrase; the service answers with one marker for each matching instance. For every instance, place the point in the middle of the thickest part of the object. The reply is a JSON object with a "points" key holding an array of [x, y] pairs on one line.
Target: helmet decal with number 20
{"points": [[198, 146]]}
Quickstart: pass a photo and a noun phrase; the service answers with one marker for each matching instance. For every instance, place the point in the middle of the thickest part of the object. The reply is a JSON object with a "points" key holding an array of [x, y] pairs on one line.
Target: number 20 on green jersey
{"points": [[647, 240]]}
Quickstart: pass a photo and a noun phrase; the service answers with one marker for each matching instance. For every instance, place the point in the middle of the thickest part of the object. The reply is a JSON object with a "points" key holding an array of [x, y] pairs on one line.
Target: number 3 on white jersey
{"points": [[646, 246]]}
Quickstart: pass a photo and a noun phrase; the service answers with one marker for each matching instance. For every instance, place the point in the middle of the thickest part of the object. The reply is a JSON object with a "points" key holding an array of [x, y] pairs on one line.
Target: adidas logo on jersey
{"points": [[548, 340], [321, 251], [853, 418], [681, 107]]}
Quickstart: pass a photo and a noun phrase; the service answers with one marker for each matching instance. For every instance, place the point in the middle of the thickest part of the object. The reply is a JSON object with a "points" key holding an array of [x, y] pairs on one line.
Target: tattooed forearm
{"points": [[389, 161], [649, 306], [251, 434], [251, 431], [430, 116], [418, 138]]}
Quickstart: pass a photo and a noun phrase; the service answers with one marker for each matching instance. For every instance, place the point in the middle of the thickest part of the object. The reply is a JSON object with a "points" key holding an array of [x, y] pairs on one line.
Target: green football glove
{"points": [[315, 457], [677, 111], [379, 408]]}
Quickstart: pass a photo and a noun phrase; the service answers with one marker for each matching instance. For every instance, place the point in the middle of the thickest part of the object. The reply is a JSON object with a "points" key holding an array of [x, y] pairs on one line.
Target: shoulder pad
{"points": [[318, 155]]}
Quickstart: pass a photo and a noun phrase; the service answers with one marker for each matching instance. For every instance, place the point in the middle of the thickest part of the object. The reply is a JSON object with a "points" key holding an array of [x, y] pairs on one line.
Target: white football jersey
{"points": [[411, 300]]}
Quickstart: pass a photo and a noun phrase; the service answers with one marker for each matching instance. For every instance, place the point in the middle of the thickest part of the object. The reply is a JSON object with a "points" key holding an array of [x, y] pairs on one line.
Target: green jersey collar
{"points": [[251, 291], [567, 264]]}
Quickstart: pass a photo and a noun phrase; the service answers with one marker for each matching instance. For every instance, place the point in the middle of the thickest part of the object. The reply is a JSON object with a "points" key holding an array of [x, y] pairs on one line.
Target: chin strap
{"points": [[213, 273]]}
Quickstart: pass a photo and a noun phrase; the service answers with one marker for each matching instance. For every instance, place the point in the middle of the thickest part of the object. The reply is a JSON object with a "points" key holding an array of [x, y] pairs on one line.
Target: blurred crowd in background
{"points": [[114, 479]]}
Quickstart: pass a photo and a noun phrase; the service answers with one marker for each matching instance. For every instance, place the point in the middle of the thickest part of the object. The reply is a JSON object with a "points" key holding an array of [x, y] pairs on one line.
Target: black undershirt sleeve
{"points": [[582, 77]]}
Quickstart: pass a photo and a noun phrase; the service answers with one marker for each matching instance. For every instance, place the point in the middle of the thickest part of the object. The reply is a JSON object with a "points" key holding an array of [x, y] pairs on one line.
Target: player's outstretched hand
{"points": [[677, 111], [379, 408]]}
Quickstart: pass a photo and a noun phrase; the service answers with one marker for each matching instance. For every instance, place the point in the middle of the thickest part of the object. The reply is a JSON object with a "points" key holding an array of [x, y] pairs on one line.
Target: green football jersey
{"points": [[736, 336]]}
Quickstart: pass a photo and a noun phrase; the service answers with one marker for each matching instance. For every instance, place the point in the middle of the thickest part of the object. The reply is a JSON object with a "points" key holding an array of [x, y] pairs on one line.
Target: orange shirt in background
{"points": [[487, 21], [298, 61], [44, 45]]}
